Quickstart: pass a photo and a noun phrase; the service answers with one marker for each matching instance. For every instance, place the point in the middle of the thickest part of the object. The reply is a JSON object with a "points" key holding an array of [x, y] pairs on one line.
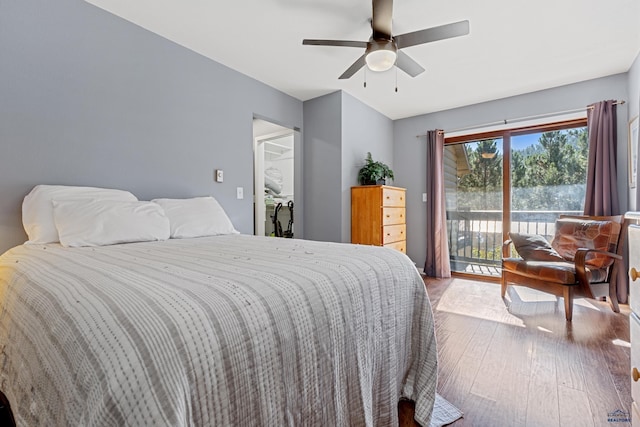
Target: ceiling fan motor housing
{"points": [[381, 54]]}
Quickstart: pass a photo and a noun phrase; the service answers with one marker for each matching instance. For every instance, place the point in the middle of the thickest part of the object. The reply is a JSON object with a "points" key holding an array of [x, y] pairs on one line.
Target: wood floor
{"points": [[517, 362]]}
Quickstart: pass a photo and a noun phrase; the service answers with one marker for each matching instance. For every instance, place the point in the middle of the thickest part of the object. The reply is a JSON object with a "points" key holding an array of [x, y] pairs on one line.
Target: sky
{"points": [[522, 141], [517, 142]]}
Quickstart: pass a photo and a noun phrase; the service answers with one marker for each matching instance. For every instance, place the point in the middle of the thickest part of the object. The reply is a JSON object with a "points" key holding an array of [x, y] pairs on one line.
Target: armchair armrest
{"points": [[506, 253], [580, 259]]}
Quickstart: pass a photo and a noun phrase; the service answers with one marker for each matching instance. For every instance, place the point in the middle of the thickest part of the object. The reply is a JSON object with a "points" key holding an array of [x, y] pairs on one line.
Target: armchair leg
{"points": [[614, 303], [613, 295], [503, 290], [568, 302]]}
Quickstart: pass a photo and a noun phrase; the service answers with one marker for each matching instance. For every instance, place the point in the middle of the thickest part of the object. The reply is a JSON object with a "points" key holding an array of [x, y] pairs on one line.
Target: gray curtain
{"points": [[602, 171], [437, 262]]}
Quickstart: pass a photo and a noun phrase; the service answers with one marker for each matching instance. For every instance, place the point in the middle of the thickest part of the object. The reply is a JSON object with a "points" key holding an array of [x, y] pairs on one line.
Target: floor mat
{"points": [[444, 412]]}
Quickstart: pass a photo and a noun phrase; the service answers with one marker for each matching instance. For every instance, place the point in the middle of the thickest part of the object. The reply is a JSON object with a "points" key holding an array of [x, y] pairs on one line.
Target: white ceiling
{"points": [[514, 46]]}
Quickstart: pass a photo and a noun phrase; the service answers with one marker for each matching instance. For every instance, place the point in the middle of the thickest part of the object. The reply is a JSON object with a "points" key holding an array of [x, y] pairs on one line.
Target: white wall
{"points": [[633, 98], [409, 152]]}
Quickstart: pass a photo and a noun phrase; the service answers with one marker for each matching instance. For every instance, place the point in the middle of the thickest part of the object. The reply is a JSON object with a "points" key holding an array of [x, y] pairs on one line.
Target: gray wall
{"points": [[87, 98], [633, 98], [410, 152], [339, 131], [322, 172], [363, 130]]}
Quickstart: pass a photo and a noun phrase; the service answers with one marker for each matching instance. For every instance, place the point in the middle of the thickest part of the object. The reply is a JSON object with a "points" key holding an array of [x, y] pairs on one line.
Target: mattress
{"points": [[225, 330]]}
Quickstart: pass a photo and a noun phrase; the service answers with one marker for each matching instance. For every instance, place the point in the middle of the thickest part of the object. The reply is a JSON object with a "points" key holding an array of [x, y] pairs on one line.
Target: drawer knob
{"points": [[634, 274], [388, 216], [635, 374]]}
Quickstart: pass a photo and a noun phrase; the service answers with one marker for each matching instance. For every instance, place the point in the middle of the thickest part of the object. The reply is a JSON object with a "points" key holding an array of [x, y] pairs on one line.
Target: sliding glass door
{"points": [[474, 200], [548, 178], [517, 180]]}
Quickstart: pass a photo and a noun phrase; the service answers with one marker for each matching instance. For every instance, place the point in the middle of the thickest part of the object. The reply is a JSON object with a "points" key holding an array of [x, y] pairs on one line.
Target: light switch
{"points": [[239, 193], [424, 197], [219, 175]]}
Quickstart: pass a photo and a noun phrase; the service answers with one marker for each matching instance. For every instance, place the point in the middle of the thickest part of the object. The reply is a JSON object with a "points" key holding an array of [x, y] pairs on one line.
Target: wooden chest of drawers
{"points": [[378, 216], [634, 319]]}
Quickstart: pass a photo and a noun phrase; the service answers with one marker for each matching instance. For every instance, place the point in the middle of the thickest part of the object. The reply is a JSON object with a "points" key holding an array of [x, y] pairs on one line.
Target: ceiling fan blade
{"points": [[381, 18], [360, 62], [408, 65], [432, 34], [346, 43]]}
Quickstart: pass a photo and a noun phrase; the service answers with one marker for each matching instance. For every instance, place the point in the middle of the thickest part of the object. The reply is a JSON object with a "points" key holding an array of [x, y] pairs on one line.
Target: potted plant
{"points": [[374, 173]]}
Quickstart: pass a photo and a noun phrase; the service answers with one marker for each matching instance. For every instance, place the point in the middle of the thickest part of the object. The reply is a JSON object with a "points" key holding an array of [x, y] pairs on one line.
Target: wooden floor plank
{"points": [[491, 366], [569, 367], [515, 412], [542, 403], [574, 408], [517, 362]]}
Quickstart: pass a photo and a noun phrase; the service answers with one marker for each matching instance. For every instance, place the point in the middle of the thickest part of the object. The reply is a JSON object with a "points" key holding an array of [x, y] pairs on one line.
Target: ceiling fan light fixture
{"points": [[381, 55], [382, 50]]}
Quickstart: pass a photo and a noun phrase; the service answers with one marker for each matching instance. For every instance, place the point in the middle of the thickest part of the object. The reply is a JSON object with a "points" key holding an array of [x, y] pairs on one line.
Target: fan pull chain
{"points": [[396, 79], [365, 77]]}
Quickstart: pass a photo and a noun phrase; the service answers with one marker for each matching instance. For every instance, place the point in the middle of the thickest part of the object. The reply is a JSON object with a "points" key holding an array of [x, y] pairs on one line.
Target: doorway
{"points": [[274, 148], [513, 180], [474, 204]]}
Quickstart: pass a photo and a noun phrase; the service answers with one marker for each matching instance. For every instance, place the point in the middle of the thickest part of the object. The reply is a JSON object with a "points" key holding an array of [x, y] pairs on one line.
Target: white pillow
{"points": [[37, 209], [197, 217], [92, 222]]}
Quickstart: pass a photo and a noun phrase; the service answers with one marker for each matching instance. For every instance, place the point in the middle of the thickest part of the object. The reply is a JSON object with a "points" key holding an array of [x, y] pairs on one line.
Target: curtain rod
{"points": [[520, 119]]}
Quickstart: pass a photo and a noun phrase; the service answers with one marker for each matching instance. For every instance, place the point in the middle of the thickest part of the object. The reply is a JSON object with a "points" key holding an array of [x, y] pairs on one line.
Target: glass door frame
{"points": [[505, 135]]}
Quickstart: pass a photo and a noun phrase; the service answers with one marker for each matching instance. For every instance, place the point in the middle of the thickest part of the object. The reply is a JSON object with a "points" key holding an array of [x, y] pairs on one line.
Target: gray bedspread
{"points": [[226, 330]]}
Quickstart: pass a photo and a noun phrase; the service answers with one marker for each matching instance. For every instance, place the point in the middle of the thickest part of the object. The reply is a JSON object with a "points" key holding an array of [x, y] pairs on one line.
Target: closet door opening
{"points": [[274, 180]]}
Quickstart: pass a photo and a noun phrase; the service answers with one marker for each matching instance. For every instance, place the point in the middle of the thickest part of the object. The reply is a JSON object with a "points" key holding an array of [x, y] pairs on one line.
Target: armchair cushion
{"points": [[533, 247], [556, 272], [574, 233]]}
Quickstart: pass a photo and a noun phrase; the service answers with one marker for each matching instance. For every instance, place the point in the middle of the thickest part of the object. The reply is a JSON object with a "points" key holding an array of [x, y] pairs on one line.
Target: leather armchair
{"points": [[582, 260]]}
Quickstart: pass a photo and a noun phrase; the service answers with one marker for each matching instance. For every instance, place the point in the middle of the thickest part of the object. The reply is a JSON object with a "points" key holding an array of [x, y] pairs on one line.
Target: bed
{"points": [[227, 329]]}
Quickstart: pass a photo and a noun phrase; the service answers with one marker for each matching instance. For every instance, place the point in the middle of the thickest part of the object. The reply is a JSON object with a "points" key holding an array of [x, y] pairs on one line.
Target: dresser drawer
{"points": [[393, 233], [378, 215], [634, 269], [391, 216], [399, 246], [634, 326], [392, 197]]}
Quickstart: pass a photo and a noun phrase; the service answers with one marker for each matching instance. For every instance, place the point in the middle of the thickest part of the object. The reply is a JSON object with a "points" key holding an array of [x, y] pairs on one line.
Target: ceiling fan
{"points": [[382, 51]]}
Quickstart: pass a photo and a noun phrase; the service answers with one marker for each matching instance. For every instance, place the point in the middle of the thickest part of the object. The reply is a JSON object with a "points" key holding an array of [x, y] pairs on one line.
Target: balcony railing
{"points": [[475, 236]]}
